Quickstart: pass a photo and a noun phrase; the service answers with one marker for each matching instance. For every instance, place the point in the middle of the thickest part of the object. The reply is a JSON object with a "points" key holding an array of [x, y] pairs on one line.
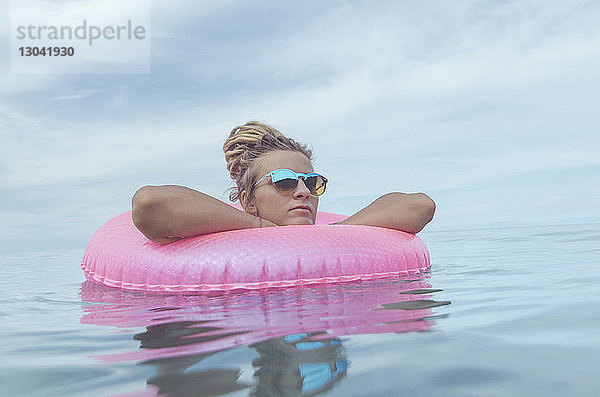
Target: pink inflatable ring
{"points": [[118, 255]]}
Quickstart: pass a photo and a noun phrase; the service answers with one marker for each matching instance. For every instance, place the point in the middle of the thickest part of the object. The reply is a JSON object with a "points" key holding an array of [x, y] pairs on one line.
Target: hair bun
{"points": [[243, 139]]}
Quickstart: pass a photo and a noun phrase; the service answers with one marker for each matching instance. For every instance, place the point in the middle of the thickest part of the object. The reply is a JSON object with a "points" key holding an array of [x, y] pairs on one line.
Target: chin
{"points": [[300, 221]]}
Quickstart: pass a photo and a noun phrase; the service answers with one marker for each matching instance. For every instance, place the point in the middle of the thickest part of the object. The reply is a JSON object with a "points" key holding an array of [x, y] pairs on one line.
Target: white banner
{"points": [[73, 36]]}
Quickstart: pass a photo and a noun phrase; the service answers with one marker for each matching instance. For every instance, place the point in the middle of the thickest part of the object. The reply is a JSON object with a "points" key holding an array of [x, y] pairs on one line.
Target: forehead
{"points": [[294, 161]]}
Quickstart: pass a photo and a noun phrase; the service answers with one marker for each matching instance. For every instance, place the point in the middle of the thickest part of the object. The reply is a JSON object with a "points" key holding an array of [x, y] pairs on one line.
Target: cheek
{"points": [[270, 204], [315, 202]]}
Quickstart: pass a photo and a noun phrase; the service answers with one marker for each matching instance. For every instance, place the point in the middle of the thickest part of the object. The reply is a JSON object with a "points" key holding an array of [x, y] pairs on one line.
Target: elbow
{"points": [[417, 210], [145, 204], [413, 211], [428, 206], [142, 203], [425, 209]]}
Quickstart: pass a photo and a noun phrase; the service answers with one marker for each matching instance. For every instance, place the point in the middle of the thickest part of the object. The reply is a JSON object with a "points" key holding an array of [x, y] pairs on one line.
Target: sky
{"points": [[491, 108]]}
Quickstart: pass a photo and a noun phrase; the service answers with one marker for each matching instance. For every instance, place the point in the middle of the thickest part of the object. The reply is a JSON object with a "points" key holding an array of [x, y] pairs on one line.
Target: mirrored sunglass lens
{"points": [[286, 184], [316, 185]]}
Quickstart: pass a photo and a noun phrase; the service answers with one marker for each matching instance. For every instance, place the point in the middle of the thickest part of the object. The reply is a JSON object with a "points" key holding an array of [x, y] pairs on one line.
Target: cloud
{"points": [[51, 155], [78, 95], [473, 101], [15, 121]]}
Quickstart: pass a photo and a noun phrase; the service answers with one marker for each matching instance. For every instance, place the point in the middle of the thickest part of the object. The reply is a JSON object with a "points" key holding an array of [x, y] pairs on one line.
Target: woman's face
{"points": [[278, 207]]}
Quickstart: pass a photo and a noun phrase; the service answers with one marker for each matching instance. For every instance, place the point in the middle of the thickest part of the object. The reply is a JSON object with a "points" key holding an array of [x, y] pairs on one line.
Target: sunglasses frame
{"points": [[298, 175]]}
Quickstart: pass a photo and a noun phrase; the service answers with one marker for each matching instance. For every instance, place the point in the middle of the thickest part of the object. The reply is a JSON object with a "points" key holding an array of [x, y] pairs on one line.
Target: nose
{"points": [[301, 190]]}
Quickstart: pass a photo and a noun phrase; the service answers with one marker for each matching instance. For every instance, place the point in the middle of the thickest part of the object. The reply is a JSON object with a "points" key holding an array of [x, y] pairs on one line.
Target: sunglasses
{"points": [[287, 181]]}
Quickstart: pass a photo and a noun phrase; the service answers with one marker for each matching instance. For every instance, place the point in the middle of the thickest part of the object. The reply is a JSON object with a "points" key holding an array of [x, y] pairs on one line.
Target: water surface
{"points": [[503, 311]]}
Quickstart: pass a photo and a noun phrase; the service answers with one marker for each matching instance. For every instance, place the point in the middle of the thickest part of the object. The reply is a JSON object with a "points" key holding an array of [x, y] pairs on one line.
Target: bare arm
{"points": [[406, 212], [168, 213]]}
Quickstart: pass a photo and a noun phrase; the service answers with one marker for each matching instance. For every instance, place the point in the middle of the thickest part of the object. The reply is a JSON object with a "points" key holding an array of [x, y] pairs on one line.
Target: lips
{"points": [[302, 207]]}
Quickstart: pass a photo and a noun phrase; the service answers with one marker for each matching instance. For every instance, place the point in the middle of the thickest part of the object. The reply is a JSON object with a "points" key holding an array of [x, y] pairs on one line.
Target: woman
{"points": [[276, 185]]}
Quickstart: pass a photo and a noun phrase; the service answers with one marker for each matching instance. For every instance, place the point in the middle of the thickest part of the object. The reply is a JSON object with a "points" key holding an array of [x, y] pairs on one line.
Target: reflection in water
{"points": [[295, 365], [175, 376], [413, 305], [295, 333], [179, 333]]}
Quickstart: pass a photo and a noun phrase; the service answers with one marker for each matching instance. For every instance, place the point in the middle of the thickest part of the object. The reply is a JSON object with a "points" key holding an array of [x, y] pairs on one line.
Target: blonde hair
{"points": [[248, 143]]}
